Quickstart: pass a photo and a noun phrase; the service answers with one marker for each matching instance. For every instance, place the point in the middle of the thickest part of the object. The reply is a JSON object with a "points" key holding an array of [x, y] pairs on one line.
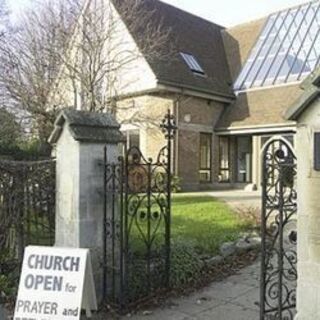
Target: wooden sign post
{"points": [[55, 284]]}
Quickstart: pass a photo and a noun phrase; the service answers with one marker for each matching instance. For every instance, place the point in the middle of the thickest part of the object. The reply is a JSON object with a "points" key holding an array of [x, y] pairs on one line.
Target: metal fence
{"points": [[279, 232], [137, 224], [27, 209]]}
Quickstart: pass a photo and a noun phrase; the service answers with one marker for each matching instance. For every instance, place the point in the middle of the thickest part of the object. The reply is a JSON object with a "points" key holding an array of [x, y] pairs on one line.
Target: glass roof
{"points": [[287, 50]]}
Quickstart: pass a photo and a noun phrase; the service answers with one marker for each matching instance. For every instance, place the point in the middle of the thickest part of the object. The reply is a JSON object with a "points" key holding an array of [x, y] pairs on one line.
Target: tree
{"points": [[4, 17], [10, 130], [64, 53], [101, 58], [28, 61]]}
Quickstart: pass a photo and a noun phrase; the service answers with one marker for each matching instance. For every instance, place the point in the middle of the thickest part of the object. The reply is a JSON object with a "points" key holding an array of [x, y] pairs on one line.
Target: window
{"points": [[244, 159], [133, 145], [287, 50], [224, 154], [205, 157], [192, 63], [133, 138]]}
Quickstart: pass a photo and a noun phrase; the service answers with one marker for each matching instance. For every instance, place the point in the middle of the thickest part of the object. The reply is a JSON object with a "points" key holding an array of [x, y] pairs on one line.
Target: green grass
{"points": [[205, 221], [202, 220]]}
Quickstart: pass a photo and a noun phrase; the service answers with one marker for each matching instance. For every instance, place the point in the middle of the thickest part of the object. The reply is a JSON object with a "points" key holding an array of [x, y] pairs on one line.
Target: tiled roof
{"points": [[259, 107], [87, 126], [188, 34]]}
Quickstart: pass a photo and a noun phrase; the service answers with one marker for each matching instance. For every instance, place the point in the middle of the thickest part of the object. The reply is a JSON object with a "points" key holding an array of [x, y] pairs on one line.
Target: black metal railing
{"points": [[279, 234], [27, 210], [137, 223]]}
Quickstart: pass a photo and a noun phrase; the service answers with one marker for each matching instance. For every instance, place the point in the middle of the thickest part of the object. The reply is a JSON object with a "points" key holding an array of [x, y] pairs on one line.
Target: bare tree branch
{"points": [[65, 53]]}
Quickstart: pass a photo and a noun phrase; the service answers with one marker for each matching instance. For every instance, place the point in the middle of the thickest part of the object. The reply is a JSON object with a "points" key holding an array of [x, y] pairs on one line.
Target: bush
{"points": [[186, 267], [175, 184], [9, 277], [186, 264], [251, 216], [26, 150], [34, 149]]}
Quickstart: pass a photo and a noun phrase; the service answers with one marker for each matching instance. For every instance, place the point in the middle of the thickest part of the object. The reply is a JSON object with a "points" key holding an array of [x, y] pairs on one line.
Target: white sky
{"points": [[232, 12], [224, 12]]}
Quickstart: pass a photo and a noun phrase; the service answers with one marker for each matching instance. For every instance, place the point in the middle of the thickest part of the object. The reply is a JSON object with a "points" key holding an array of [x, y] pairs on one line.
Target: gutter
{"points": [[258, 129], [194, 91], [162, 87]]}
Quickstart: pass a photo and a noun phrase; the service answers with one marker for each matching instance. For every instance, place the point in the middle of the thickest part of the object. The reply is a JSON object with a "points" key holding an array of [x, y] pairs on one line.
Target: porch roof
{"points": [[260, 107]]}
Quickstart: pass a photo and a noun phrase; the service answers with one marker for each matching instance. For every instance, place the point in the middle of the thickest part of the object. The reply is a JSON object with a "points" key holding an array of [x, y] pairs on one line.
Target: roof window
{"points": [[192, 63]]}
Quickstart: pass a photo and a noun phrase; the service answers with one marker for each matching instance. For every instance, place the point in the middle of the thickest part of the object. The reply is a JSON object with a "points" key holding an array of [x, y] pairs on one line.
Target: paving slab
{"points": [[234, 298]]}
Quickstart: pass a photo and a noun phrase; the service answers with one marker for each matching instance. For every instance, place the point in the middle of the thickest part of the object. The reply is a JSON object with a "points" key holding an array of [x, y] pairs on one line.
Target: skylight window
{"points": [[287, 50], [192, 63]]}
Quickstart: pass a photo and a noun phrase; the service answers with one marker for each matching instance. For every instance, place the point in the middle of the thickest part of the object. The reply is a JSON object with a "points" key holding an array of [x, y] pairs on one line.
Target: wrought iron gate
{"points": [[279, 235], [137, 223]]}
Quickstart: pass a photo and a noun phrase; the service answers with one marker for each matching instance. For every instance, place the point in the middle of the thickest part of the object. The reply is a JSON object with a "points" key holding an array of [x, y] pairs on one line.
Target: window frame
{"points": [[207, 170], [192, 63], [131, 132], [221, 169], [237, 159]]}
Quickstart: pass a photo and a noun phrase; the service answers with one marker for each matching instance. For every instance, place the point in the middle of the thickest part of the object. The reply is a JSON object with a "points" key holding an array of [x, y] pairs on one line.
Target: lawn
{"points": [[205, 221]]}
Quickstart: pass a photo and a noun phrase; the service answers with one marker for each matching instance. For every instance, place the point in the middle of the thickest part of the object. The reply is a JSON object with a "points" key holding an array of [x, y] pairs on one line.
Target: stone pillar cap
{"points": [[87, 126]]}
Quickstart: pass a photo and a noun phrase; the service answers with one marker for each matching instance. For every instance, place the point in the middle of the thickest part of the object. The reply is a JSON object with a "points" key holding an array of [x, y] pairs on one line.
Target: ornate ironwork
{"points": [[27, 208], [279, 235], [137, 223]]}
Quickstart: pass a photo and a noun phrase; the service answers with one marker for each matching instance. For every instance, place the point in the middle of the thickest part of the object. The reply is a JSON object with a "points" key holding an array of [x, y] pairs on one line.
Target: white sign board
{"points": [[55, 284]]}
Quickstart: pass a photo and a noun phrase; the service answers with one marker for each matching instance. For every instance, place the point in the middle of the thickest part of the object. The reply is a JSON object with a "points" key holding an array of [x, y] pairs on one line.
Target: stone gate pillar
{"points": [[307, 114], [80, 139]]}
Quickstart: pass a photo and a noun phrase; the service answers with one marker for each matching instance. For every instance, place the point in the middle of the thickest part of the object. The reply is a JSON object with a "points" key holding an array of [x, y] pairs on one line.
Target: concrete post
{"points": [[307, 114], [80, 138], [308, 294]]}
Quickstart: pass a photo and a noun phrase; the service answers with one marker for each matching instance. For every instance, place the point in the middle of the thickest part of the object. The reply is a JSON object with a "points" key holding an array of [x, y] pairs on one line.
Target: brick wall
{"points": [[194, 116], [203, 116]]}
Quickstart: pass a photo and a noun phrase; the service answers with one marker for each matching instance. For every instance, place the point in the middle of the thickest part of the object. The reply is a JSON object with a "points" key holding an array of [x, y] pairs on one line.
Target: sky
{"points": [[223, 12]]}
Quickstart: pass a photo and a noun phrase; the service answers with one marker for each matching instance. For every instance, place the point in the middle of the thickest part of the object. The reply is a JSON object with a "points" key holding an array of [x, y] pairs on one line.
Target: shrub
{"points": [[250, 216], [186, 264], [9, 277], [175, 184], [26, 150]]}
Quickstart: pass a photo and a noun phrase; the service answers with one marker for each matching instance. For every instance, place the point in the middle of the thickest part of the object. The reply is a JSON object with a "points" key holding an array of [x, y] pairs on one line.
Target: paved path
{"points": [[238, 198], [232, 299]]}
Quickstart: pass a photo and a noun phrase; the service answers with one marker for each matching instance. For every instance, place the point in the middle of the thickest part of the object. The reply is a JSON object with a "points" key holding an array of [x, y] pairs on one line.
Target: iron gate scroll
{"points": [[137, 223], [279, 235]]}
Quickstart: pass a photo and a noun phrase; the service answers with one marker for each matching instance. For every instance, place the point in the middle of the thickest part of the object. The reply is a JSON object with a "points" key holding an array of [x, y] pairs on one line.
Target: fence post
{"points": [[80, 139]]}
